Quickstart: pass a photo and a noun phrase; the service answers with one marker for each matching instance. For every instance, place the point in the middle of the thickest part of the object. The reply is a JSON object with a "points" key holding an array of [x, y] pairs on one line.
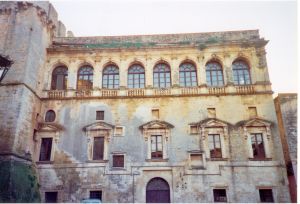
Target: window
{"points": [[252, 112], [118, 161], [119, 131], [85, 78], [155, 113], [156, 147], [110, 78], [50, 197], [99, 115], [96, 195], [193, 129], [59, 78], [211, 113], [257, 146], [98, 148], [215, 146], [136, 76], [241, 75], [45, 151], [50, 116], [220, 195], [162, 76], [266, 196], [214, 74], [187, 75]]}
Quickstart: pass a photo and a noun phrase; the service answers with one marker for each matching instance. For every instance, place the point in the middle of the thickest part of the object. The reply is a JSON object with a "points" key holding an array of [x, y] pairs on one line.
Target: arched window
{"points": [[50, 116], [136, 76], [157, 191], [110, 78], [214, 74], [59, 78], [241, 74], [187, 75], [161, 76], [85, 78]]}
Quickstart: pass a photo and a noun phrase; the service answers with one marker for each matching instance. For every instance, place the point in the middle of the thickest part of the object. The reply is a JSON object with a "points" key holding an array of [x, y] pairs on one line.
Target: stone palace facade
{"points": [[146, 118]]}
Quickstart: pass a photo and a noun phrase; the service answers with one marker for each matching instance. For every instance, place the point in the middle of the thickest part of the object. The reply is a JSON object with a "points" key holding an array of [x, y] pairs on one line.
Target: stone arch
{"points": [[158, 191]]}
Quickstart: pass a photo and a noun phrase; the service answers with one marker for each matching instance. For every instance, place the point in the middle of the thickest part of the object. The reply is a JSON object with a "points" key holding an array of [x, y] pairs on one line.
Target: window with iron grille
{"points": [[161, 76], [266, 196], [214, 74], [220, 195], [136, 76], [59, 78], [110, 77], [50, 197], [118, 160], [46, 148], [98, 148], [187, 75], [96, 195], [215, 146], [258, 146], [85, 78], [99, 115], [241, 73], [50, 116], [156, 147]]}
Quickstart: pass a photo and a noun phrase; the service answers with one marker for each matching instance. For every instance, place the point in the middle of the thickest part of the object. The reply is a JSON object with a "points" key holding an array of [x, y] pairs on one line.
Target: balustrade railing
{"points": [[216, 90], [248, 89]]}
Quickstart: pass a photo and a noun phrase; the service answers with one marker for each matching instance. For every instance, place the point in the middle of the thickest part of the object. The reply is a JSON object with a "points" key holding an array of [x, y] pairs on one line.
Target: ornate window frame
{"points": [[98, 129], [253, 126], [157, 127], [47, 130]]}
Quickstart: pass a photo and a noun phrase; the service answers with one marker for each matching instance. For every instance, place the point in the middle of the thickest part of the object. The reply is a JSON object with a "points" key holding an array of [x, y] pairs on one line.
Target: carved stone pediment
{"points": [[255, 122], [49, 127], [98, 126], [156, 124], [211, 122]]}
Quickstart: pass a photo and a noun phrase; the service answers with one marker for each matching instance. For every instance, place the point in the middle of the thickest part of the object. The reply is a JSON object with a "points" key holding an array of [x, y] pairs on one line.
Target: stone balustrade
{"points": [[149, 92]]}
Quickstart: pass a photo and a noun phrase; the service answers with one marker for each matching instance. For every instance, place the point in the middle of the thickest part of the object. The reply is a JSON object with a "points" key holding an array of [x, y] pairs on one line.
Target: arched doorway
{"points": [[157, 191]]}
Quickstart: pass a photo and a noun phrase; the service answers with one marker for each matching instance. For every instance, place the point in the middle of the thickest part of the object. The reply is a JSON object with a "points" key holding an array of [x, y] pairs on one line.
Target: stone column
{"points": [[227, 70], [175, 72]]}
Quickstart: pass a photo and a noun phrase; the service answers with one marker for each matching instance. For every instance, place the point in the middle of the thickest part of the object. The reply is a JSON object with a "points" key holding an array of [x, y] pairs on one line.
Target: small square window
{"points": [[118, 161], [211, 113], [119, 131], [155, 113], [99, 115], [193, 129], [220, 195], [266, 196], [252, 112], [96, 195], [50, 197]]}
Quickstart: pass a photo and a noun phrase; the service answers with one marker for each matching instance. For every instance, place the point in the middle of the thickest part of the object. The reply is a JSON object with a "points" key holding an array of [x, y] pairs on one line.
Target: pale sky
{"points": [[276, 21]]}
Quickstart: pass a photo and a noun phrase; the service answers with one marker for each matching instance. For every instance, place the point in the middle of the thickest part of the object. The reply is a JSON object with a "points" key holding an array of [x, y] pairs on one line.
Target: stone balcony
{"points": [[154, 92]]}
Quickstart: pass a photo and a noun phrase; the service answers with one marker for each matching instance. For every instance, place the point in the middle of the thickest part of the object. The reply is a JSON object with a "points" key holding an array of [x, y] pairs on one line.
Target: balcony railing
{"points": [[148, 92]]}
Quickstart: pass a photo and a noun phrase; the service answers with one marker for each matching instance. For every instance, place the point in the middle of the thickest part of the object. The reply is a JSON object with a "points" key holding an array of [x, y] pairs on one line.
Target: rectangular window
{"points": [[98, 148], [215, 146], [155, 113], [118, 160], [211, 112], [252, 112], [119, 131], [220, 195], [156, 147], [266, 196], [257, 146], [99, 115], [50, 197], [196, 160], [193, 129], [96, 195], [46, 147]]}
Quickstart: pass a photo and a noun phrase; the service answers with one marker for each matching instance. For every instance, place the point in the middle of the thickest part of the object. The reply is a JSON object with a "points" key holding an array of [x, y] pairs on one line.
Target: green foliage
{"points": [[18, 182]]}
